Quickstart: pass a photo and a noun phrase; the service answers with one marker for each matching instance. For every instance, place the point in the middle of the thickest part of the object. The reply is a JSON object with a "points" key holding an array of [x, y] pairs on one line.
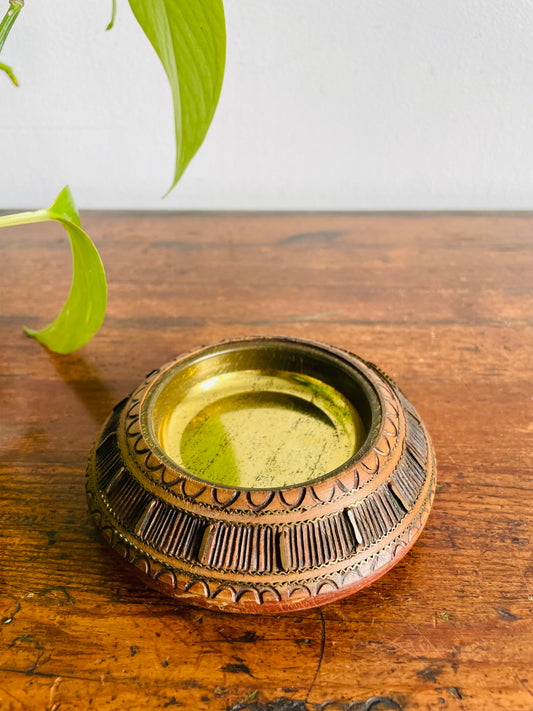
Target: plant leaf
{"points": [[189, 37], [10, 73], [15, 6], [113, 15], [84, 309]]}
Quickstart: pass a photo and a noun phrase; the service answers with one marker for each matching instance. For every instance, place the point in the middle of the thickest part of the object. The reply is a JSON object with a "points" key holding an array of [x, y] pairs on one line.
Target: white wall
{"points": [[330, 104]]}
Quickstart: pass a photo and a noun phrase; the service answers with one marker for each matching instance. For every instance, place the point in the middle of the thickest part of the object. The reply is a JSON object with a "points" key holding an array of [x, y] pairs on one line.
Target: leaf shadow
{"points": [[86, 382]]}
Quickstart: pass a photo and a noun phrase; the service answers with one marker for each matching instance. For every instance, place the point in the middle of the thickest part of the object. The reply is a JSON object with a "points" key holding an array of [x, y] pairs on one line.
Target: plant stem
{"points": [[15, 6], [24, 218]]}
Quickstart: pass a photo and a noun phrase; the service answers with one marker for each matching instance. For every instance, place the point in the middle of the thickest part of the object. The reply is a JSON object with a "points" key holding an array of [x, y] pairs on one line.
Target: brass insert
{"points": [[256, 429], [257, 418]]}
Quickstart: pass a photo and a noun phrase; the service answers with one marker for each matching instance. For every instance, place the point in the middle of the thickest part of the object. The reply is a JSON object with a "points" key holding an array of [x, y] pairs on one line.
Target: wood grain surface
{"points": [[443, 303]]}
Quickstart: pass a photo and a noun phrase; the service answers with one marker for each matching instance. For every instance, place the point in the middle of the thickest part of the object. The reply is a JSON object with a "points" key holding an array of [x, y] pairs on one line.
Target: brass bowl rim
{"points": [[335, 357]]}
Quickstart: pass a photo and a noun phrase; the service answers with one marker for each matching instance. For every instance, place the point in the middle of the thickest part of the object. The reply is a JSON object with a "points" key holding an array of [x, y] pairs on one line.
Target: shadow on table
{"points": [[86, 382]]}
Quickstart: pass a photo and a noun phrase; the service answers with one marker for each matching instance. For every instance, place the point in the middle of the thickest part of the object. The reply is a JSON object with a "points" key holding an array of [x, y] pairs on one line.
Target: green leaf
{"points": [[189, 37], [113, 15], [15, 6], [84, 309], [10, 73]]}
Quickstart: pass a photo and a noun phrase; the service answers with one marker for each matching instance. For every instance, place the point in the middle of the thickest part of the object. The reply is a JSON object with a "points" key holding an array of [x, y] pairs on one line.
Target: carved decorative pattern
{"points": [[315, 543], [250, 549], [376, 516], [206, 589]]}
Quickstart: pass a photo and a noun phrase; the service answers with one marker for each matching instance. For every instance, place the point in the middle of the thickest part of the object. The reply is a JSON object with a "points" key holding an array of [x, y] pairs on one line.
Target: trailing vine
{"points": [[15, 6], [189, 37]]}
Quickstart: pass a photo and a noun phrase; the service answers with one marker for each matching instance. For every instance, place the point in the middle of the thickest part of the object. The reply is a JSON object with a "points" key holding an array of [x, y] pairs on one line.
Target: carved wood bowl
{"points": [[262, 475]]}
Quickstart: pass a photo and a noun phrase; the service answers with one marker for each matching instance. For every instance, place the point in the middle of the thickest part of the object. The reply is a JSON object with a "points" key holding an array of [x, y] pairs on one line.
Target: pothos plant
{"points": [[189, 37]]}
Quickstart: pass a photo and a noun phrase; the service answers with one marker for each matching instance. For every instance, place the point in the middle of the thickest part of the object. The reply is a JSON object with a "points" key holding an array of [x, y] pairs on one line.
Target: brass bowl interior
{"points": [[260, 414]]}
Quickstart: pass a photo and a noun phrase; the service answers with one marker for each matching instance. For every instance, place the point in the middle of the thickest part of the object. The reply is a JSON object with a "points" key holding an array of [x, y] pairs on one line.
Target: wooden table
{"points": [[443, 303]]}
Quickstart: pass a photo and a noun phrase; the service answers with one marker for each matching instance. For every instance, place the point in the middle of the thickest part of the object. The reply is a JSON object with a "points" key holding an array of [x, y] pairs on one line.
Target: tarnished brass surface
{"points": [[268, 416], [260, 429]]}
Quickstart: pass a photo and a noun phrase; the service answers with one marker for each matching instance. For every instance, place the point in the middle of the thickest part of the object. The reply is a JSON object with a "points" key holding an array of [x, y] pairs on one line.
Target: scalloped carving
{"points": [[170, 479], [231, 497], [324, 585], [292, 498], [371, 466], [248, 595], [271, 593], [252, 499], [203, 587], [167, 577], [152, 463], [322, 499], [141, 562], [299, 591], [229, 591], [191, 490]]}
